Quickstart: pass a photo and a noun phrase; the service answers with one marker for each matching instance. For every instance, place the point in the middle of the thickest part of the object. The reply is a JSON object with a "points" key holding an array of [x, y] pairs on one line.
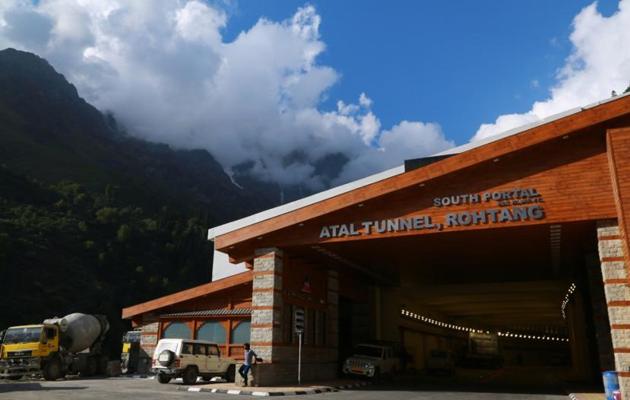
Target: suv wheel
{"points": [[190, 376], [377, 374], [166, 358], [163, 378], [230, 373], [90, 368]]}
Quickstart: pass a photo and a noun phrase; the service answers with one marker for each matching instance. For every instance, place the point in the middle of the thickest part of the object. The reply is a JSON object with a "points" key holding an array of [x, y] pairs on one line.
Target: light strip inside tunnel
{"points": [[567, 298], [447, 325]]}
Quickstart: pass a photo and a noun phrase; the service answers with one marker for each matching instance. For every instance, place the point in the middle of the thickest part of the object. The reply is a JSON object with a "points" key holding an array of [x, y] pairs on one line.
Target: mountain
{"points": [[91, 218], [48, 132]]}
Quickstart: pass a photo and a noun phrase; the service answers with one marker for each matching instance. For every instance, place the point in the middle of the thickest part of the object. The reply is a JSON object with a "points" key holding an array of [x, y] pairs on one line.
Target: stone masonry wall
{"points": [[616, 288], [148, 342], [266, 325]]}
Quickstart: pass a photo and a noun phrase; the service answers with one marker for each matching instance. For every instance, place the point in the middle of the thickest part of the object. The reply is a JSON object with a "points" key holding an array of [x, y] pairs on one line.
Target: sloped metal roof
{"points": [[210, 313]]}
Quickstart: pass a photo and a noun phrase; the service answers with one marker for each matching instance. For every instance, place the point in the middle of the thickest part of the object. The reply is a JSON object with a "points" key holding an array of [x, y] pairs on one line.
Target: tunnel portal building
{"points": [[523, 236]]}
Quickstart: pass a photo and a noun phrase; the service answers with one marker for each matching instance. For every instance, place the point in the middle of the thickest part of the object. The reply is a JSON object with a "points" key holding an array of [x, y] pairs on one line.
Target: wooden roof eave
{"points": [[189, 294], [488, 152]]}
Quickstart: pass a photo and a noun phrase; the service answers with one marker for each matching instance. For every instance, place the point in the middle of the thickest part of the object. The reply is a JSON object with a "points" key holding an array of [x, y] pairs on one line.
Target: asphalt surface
{"points": [[140, 389]]}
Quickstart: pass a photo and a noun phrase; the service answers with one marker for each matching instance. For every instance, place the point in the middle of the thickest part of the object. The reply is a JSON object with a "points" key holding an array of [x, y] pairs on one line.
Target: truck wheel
{"points": [[190, 376], [90, 368], [162, 378], [52, 370], [101, 365], [230, 374]]}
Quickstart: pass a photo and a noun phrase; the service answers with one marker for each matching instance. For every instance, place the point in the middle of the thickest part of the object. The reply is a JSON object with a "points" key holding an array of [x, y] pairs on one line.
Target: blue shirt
{"points": [[249, 357]]}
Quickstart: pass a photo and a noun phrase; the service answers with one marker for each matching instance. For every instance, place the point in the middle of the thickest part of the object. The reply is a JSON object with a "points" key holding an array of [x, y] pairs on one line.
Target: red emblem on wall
{"points": [[306, 286]]}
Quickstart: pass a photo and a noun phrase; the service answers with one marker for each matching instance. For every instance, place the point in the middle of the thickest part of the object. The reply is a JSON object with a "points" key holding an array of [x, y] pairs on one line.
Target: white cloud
{"points": [[403, 141], [165, 70], [598, 64]]}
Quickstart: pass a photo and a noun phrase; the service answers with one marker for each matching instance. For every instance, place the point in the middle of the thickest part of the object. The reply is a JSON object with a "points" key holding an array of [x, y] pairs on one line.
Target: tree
{"points": [[123, 233]]}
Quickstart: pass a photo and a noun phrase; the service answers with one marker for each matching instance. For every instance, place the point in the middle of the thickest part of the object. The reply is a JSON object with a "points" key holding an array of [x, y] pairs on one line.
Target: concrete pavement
{"points": [[141, 389]]}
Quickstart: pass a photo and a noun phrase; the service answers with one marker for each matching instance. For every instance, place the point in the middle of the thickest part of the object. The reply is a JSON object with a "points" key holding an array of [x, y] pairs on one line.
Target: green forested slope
{"points": [[91, 219]]}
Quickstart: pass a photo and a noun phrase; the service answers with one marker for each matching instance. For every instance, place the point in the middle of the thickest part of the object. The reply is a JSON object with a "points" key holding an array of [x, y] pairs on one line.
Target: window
{"points": [[187, 348], [51, 333], [214, 351], [240, 334], [212, 331], [200, 349], [177, 330]]}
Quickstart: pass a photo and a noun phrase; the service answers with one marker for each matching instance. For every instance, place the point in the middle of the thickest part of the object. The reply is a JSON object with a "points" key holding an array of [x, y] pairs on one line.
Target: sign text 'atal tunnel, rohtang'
{"points": [[514, 205]]}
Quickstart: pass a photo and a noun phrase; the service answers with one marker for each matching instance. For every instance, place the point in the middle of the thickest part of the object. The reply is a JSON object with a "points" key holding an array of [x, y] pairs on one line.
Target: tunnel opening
{"points": [[511, 308]]}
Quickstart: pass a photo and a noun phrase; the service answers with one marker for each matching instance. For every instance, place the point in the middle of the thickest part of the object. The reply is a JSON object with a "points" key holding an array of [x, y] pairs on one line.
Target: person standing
{"points": [[249, 358]]}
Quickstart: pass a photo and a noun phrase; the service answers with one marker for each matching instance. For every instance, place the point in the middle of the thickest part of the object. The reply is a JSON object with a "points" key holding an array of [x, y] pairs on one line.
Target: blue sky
{"points": [[284, 87], [457, 63]]}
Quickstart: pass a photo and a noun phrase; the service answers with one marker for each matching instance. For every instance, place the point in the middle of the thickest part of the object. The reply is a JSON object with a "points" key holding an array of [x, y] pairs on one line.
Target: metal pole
{"points": [[299, 358]]}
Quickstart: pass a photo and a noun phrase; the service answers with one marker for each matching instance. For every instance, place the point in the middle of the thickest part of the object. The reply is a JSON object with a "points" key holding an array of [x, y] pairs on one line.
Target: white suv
{"points": [[189, 359], [372, 361]]}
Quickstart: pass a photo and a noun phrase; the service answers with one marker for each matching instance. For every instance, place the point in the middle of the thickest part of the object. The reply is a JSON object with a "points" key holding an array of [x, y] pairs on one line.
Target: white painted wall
{"points": [[222, 267]]}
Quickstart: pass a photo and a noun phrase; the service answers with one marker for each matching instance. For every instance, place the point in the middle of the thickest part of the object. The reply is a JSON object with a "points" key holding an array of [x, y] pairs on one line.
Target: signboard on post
{"points": [[298, 320], [298, 326]]}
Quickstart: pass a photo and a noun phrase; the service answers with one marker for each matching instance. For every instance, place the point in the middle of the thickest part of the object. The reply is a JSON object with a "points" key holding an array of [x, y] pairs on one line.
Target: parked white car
{"points": [[372, 361], [189, 359]]}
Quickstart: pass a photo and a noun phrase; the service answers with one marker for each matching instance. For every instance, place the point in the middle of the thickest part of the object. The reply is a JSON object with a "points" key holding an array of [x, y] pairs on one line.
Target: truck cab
{"points": [[23, 348]]}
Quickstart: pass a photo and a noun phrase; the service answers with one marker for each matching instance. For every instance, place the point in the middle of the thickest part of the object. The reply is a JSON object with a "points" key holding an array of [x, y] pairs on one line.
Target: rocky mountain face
{"points": [[91, 218]]}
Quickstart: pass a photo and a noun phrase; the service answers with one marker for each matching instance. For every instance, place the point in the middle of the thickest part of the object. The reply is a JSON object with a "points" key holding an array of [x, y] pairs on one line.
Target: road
{"points": [[140, 389]]}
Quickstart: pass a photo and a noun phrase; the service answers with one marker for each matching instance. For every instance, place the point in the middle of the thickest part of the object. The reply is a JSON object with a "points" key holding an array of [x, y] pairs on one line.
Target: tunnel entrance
{"points": [[511, 306]]}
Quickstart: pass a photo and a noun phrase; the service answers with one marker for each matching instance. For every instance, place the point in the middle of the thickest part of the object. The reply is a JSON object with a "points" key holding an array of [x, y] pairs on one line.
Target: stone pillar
{"points": [[611, 256], [266, 325]]}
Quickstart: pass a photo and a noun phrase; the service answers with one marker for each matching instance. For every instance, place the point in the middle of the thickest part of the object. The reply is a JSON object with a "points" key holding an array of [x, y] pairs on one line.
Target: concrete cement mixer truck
{"points": [[54, 348]]}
